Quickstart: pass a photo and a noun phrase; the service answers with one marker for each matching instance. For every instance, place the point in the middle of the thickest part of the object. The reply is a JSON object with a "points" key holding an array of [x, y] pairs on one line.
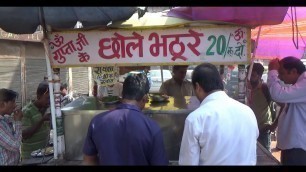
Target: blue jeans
{"points": [[264, 139]]}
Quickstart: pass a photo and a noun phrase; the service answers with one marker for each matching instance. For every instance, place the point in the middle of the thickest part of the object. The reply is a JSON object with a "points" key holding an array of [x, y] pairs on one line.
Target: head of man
{"points": [[7, 101], [290, 69], [179, 73], [63, 89], [256, 74], [135, 89], [205, 80], [42, 94]]}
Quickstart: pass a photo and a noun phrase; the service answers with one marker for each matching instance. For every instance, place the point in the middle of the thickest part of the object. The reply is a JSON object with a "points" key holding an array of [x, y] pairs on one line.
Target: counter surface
{"points": [[264, 157], [173, 105], [169, 115]]}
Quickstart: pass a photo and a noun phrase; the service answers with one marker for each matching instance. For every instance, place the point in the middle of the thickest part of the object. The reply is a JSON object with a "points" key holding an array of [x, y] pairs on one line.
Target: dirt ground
{"points": [[275, 152]]}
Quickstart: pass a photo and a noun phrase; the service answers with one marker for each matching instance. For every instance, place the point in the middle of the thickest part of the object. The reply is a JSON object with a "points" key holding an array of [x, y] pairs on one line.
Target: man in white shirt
{"points": [[222, 131], [291, 132]]}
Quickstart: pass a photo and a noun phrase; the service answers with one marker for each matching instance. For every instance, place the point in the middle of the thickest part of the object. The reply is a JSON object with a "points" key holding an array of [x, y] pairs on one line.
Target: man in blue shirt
{"points": [[125, 136]]}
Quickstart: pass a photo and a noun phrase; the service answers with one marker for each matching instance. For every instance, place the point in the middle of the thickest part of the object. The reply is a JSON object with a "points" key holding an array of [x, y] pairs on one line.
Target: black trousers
{"points": [[295, 156]]}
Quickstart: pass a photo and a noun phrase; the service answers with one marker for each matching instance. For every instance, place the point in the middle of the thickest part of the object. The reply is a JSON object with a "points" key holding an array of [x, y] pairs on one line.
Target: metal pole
{"points": [[70, 81], [161, 74], [52, 103], [90, 83], [253, 55], [23, 75]]}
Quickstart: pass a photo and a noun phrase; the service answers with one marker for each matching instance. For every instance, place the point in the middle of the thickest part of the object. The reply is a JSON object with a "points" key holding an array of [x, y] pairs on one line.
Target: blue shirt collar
{"points": [[128, 106]]}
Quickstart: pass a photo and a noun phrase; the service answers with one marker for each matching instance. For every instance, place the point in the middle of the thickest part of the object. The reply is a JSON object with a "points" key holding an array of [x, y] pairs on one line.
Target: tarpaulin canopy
{"points": [[248, 16], [150, 20], [279, 41], [25, 20]]}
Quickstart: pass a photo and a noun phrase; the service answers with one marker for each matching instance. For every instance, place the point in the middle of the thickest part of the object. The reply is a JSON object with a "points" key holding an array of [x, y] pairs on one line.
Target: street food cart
{"points": [[171, 42], [129, 44]]}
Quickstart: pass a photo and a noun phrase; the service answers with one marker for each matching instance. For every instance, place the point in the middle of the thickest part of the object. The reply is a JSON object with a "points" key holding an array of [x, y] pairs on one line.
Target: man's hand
{"points": [[46, 117], [248, 84], [274, 64], [165, 96], [90, 160], [272, 127], [18, 115]]}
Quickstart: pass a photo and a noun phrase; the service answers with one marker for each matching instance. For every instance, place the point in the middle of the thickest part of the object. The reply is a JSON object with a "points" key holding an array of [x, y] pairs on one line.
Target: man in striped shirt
{"points": [[10, 128]]}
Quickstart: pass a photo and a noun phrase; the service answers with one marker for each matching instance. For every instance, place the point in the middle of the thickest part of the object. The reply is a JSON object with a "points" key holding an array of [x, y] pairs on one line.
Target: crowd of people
{"points": [[212, 135], [29, 128]]}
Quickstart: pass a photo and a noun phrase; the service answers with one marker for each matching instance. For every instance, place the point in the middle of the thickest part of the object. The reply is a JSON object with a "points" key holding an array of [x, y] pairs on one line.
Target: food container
{"points": [[158, 98], [110, 100]]}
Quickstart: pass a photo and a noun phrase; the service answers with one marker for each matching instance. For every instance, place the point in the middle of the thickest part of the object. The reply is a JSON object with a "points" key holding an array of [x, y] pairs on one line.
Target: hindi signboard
{"points": [[106, 75], [186, 45]]}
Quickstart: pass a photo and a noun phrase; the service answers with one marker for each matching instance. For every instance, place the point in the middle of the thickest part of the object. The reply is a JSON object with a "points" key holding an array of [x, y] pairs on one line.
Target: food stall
{"points": [[171, 42], [127, 44], [180, 42]]}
